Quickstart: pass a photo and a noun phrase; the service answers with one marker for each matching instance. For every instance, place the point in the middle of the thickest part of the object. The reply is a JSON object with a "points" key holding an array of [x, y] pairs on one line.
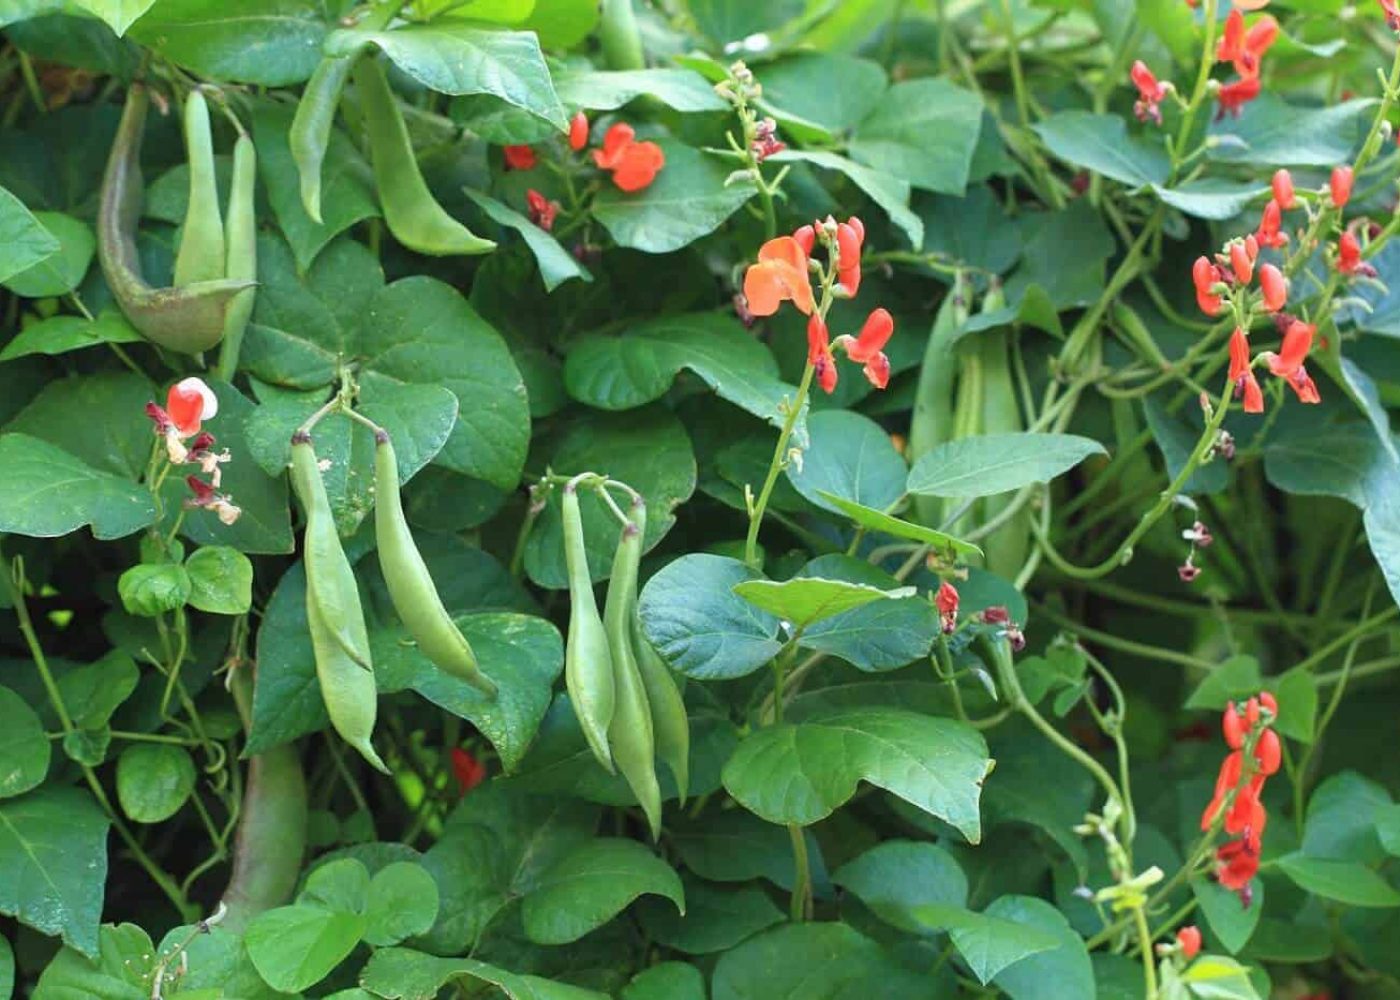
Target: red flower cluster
{"points": [[1287, 364], [1245, 49], [188, 404], [1151, 93], [1255, 753]]}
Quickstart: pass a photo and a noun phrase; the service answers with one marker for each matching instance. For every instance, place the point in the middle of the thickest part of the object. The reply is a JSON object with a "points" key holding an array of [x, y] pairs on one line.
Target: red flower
{"points": [[1246, 48], [468, 771], [1236, 94], [634, 165], [819, 354], [1392, 14], [519, 157], [1236, 865], [1241, 262], [780, 275], [1151, 93], [868, 348], [1225, 782], [188, 402], [1288, 363], [1242, 375], [1283, 189], [578, 131], [1349, 260], [946, 600], [1268, 752], [1232, 726], [806, 237], [850, 237], [1269, 233], [1340, 185], [1274, 286], [1206, 275], [542, 210], [1189, 938]]}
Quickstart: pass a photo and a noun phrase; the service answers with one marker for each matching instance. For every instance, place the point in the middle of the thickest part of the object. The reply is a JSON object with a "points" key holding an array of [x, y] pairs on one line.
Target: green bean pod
{"points": [[333, 612], [189, 319], [1007, 547], [241, 243], [630, 734], [410, 210], [310, 133], [669, 722], [622, 41], [410, 585], [932, 420], [588, 668], [201, 255]]}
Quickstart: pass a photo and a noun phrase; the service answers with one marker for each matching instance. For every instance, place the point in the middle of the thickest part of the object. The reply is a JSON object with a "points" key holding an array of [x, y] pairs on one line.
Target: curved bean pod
{"points": [[241, 241], [588, 668], [311, 126], [201, 254]]}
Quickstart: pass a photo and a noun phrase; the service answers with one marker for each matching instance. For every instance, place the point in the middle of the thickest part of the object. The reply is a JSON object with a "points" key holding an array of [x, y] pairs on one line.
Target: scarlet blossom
{"points": [[1340, 186], [1205, 276], [1349, 260], [519, 157], [578, 131], [1269, 233], [1236, 94], [1236, 865], [1268, 752], [1288, 363], [1242, 374], [1246, 47], [468, 771], [1274, 287], [1225, 782], [819, 354], [542, 210], [946, 600], [208, 498], [1392, 14], [806, 237], [1232, 726], [868, 347], [1151, 93], [1189, 938], [850, 237], [1241, 262], [779, 276], [1283, 189], [634, 165], [188, 403]]}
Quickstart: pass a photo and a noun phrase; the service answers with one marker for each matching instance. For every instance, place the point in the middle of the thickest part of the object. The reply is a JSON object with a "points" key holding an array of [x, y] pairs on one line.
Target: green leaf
{"points": [[24, 240], [295, 947], [24, 748], [737, 846], [814, 961], [402, 974], [1274, 133], [1343, 881], [693, 617], [627, 371], [690, 198], [46, 492], [403, 903], [61, 272], [876, 520], [149, 591], [592, 884], [1213, 198], [1296, 693], [881, 635], [270, 43], [523, 654], [61, 334], [221, 580], [94, 691], [831, 90], [120, 966], [287, 699], [597, 90], [923, 130], [1388, 828], [1215, 977], [1101, 143], [464, 59], [53, 864], [988, 944], [972, 230], [801, 773], [341, 885], [851, 457], [1233, 680], [1341, 819], [154, 780], [715, 920], [648, 450], [989, 464], [1061, 974], [119, 14], [556, 264], [7, 970], [88, 747], [120, 444], [897, 877], [1049, 792], [667, 981], [888, 191], [803, 601], [1233, 922]]}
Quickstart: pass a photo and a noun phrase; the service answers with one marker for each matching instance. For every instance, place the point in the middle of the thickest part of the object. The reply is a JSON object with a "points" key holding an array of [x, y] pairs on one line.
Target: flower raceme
{"points": [[1255, 755], [634, 165], [1244, 48]]}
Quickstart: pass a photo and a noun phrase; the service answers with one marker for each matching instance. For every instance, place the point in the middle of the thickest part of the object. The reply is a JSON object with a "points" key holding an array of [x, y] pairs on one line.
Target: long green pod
{"points": [[310, 133], [932, 421], [622, 41], [201, 255], [410, 585], [588, 669], [1007, 547], [241, 245], [410, 210], [630, 733], [334, 615], [669, 723], [190, 319]]}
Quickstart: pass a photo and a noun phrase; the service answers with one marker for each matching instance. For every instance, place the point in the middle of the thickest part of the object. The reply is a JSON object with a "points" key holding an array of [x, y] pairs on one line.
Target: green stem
{"points": [[776, 466], [1149, 965], [1198, 92], [800, 908]]}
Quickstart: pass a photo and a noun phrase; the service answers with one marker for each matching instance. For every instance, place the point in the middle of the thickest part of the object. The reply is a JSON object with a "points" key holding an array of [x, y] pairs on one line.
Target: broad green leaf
{"points": [[599, 90], [562, 24], [1063, 973], [24, 240], [987, 943], [851, 457], [93, 692], [690, 198], [46, 492], [924, 131], [1290, 941], [221, 580], [831, 90], [1297, 696], [1065, 253], [72, 38], [120, 442], [646, 449], [667, 981], [630, 370], [972, 229], [286, 695], [1274, 133], [1232, 680], [24, 748], [556, 264], [989, 464], [1341, 819], [270, 43], [876, 520], [62, 271], [735, 20], [592, 884], [403, 902], [295, 947], [1101, 143], [715, 920], [897, 877], [1048, 791], [803, 601], [1364, 393], [521, 653], [692, 616], [1233, 922], [61, 334], [53, 864], [1343, 881], [464, 59], [7, 970], [341, 885], [801, 773], [119, 14], [118, 967], [403, 974], [880, 635], [154, 780], [1212, 198], [1215, 977], [88, 747], [1388, 828], [814, 961], [886, 190], [151, 590]]}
